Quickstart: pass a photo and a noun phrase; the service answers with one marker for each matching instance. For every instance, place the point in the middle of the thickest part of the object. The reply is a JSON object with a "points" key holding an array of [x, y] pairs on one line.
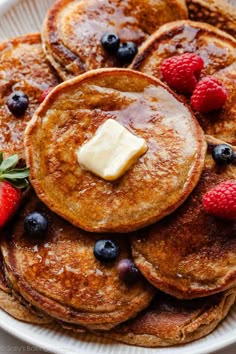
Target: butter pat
{"points": [[111, 152]]}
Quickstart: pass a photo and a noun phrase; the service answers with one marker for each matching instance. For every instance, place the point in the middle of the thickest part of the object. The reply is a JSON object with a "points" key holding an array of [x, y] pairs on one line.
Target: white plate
{"points": [[19, 17]]}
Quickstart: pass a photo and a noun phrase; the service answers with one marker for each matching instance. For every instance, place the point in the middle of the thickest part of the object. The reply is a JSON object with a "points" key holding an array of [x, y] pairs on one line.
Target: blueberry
{"points": [[17, 103], [106, 250], [110, 42], [127, 52], [223, 154], [128, 272], [35, 224]]}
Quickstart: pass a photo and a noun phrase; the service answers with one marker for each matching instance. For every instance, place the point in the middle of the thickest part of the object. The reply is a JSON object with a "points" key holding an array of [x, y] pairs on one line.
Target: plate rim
{"points": [[5, 5], [8, 326], [29, 338]]}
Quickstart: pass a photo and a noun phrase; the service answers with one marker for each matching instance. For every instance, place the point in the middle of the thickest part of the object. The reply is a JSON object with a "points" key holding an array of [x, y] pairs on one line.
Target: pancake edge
{"points": [[201, 326], [168, 31]]}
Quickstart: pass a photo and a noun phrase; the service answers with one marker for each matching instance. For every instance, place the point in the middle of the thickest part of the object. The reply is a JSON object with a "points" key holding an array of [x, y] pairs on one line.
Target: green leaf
{"points": [[9, 163], [1, 157], [22, 183], [16, 174]]}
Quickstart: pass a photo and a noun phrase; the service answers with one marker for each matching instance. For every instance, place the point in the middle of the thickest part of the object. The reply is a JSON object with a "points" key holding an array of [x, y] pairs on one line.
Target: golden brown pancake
{"points": [[218, 13], [23, 66], [222, 123], [73, 29], [59, 274], [191, 253], [70, 116], [14, 306], [216, 48], [169, 321]]}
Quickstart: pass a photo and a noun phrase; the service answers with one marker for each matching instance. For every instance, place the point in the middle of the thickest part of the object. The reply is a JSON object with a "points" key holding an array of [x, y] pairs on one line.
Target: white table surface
{"points": [[9, 344]]}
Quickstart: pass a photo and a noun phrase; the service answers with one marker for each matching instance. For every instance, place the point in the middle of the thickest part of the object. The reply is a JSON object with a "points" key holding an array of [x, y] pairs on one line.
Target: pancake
{"points": [[23, 66], [190, 253], [169, 321], [73, 29], [14, 306], [218, 13], [70, 116], [59, 275], [216, 48], [222, 124]]}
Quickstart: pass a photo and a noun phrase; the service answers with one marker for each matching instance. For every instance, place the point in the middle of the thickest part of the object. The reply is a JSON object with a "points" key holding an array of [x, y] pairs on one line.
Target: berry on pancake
{"points": [[221, 200], [209, 95], [181, 72], [44, 94], [223, 155]]}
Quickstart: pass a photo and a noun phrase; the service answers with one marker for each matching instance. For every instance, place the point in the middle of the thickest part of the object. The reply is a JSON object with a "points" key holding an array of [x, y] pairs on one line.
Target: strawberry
{"points": [[12, 180], [10, 198], [221, 200]]}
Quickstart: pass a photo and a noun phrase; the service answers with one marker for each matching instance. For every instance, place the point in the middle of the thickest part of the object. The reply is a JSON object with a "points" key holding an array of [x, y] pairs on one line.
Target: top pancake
{"points": [[23, 66], [215, 47], [59, 274], [191, 253], [70, 116], [73, 29]]}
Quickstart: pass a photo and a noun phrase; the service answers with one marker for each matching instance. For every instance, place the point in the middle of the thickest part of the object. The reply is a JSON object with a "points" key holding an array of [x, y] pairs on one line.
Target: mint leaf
{"points": [[16, 174], [1, 157], [18, 177], [9, 163]]}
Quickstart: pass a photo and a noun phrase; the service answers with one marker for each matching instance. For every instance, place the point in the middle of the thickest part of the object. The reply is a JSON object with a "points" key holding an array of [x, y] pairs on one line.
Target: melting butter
{"points": [[111, 151]]}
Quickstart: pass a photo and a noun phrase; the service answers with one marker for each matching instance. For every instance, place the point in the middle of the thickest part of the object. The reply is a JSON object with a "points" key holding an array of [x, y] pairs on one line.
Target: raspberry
{"points": [[209, 95], [44, 94], [181, 72], [221, 200]]}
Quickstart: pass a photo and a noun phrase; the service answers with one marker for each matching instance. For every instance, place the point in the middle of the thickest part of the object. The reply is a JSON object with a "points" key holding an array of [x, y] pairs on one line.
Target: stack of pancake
{"points": [[153, 212]]}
